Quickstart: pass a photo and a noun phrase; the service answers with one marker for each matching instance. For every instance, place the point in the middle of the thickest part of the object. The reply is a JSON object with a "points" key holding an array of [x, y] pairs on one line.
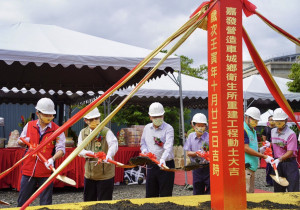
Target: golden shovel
{"points": [[278, 179], [4, 203]]}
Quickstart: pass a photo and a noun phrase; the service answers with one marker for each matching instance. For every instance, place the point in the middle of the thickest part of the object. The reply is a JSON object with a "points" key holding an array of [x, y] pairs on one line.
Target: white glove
{"points": [[162, 163], [276, 162], [268, 144], [269, 159], [27, 139], [108, 157], [49, 163], [145, 151], [262, 149], [85, 152]]}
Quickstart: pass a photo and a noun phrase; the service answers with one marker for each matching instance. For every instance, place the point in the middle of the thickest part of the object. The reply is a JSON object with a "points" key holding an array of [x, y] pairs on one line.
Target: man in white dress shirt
{"points": [[158, 138]]}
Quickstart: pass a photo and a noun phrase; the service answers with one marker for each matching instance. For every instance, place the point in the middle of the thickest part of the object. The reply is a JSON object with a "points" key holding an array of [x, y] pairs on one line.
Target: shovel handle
{"points": [[25, 142], [115, 162], [90, 155], [38, 153]]}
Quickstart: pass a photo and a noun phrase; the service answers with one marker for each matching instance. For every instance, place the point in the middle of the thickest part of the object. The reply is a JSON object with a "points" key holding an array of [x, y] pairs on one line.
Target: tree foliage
{"points": [[186, 68], [294, 86]]}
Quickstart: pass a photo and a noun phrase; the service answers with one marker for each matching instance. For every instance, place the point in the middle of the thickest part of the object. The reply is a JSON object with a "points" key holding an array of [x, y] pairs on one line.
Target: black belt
{"points": [[289, 159], [203, 165]]}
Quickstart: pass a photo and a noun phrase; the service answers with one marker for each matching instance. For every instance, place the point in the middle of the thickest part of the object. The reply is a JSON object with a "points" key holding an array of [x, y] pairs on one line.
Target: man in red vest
{"points": [[34, 171]]}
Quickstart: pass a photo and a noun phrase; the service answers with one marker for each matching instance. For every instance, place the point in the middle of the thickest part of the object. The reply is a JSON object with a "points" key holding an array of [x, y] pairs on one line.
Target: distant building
{"points": [[278, 66]]}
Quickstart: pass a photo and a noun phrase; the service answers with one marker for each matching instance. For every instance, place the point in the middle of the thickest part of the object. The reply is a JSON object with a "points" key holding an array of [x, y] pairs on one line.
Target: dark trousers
{"points": [[98, 190], [201, 182], [290, 171], [159, 183], [28, 187], [269, 170]]}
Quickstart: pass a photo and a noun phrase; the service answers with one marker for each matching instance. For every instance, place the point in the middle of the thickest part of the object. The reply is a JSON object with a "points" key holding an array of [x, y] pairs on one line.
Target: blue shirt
{"points": [[253, 144], [194, 144]]}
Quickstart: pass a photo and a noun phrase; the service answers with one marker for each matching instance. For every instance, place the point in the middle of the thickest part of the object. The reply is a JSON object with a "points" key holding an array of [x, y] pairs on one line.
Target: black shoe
{"points": [[269, 185]]}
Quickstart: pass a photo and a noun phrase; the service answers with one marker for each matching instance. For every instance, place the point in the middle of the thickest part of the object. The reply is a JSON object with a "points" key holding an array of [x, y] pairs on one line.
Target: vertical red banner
{"points": [[225, 106]]}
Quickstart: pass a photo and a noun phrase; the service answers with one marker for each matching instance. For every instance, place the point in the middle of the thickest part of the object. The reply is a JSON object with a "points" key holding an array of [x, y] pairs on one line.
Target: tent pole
{"points": [[182, 122]]}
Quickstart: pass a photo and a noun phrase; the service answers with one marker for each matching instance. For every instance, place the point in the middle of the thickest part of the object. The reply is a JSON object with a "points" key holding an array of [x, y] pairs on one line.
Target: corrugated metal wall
{"points": [[12, 117]]}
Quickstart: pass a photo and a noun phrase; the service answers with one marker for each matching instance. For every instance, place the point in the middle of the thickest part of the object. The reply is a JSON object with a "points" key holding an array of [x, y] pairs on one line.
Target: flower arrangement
{"points": [[158, 142], [99, 137], [25, 121], [205, 147]]}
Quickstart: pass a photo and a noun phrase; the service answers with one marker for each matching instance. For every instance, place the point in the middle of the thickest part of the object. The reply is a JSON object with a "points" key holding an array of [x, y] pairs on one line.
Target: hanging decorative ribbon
{"points": [[105, 95], [250, 9], [91, 136], [266, 75]]}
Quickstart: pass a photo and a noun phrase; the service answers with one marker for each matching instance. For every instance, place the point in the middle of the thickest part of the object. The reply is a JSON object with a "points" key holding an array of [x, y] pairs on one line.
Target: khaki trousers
{"points": [[250, 177]]}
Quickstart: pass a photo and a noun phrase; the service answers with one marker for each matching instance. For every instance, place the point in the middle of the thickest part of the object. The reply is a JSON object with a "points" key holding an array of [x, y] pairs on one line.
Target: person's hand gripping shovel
{"points": [[101, 156], [42, 157], [152, 157], [278, 179]]}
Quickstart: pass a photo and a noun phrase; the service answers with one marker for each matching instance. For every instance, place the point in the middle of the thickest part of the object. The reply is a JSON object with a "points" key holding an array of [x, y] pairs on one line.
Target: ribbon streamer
{"points": [[105, 95], [266, 75], [109, 117], [250, 9]]}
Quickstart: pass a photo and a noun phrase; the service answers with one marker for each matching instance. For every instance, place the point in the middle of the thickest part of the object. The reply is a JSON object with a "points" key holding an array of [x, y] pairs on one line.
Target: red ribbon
{"points": [[200, 7], [271, 84], [248, 8]]}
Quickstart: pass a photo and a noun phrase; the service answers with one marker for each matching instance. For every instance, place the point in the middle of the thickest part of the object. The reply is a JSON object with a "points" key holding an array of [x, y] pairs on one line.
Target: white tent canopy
{"points": [[255, 87], [50, 61], [264, 117], [26, 42], [166, 87]]}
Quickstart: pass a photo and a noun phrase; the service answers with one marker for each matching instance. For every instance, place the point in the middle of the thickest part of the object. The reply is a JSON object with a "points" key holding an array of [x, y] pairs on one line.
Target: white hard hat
{"points": [[156, 109], [199, 118], [253, 112], [92, 114], [279, 114], [45, 106]]}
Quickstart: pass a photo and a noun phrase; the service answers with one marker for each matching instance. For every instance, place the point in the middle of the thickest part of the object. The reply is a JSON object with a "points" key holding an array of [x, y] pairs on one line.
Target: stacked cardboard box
{"points": [[179, 157], [132, 135], [13, 138]]}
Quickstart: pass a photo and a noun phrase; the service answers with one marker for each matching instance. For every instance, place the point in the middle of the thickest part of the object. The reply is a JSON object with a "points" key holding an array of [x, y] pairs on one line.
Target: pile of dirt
{"points": [[127, 205]]}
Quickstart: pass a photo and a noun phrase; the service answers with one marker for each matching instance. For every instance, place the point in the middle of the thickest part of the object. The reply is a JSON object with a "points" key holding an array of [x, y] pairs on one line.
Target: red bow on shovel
{"points": [[42, 157], [152, 157], [204, 155], [102, 156]]}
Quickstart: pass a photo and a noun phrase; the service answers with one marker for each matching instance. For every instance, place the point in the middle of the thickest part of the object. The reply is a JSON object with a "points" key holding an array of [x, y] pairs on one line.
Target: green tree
{"points": [[294, 86], [186, 68]]}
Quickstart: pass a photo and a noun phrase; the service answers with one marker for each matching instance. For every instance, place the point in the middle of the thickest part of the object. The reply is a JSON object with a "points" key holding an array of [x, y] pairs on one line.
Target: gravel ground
{"points": [[73, 195]]}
